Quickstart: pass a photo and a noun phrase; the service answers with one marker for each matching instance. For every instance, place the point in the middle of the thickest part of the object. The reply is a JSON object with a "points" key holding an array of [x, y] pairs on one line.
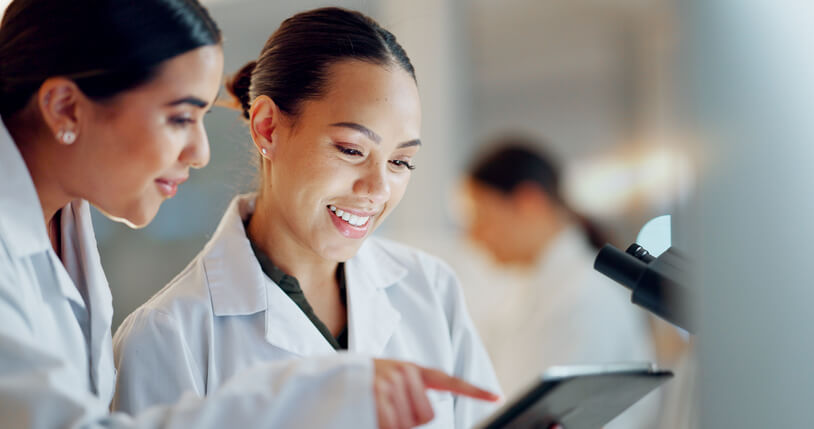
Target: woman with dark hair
{"points": [[543, 285], [102, 102], [292, 270]]}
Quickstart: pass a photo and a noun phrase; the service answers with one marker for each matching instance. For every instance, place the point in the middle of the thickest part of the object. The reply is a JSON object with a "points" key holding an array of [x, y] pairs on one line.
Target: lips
{"points": [[168, 187]]}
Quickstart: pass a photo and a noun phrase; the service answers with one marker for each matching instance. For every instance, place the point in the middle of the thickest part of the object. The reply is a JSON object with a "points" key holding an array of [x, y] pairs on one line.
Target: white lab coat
{"points": [[56, 359], [223, 314]]}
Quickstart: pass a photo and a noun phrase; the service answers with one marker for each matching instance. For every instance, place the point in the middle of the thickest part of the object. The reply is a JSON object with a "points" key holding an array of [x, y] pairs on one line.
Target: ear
{"points": [[264, 122], [58, 102]]}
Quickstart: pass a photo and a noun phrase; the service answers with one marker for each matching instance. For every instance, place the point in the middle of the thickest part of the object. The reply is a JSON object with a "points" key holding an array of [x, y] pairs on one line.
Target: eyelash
{"points": [[181, 121], [397, 162], [348, 151], [405, 164]]}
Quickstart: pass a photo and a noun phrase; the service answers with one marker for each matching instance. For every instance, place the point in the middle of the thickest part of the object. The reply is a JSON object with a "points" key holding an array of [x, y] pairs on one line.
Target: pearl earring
{"points": [[66, 137], [265, 151]]}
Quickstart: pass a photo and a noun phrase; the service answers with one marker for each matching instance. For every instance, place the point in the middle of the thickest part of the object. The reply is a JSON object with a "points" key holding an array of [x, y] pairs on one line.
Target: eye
{"points": [[403, 164], [181, 121], [348, 150]]}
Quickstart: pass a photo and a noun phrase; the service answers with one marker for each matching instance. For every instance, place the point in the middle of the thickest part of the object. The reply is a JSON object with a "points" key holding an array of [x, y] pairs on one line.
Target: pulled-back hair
{"points": [[105, 46], [294, 62]]}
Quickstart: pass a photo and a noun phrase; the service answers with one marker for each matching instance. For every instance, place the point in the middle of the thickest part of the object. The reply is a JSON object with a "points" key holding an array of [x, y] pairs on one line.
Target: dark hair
{"points": [[516, 160], [294, 62], [105, 46]]}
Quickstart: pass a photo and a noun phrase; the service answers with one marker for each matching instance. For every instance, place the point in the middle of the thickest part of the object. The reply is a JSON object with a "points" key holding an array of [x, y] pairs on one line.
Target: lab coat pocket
{"points": [[443, 405]]}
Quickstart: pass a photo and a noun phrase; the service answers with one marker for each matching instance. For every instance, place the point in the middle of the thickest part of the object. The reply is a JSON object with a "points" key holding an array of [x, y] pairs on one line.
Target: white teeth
{"points": [[352, 219]]}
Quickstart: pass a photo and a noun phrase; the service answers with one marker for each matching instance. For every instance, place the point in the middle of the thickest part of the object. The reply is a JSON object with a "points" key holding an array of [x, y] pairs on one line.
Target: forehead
{"points": [[382, 98], [195, 73]]}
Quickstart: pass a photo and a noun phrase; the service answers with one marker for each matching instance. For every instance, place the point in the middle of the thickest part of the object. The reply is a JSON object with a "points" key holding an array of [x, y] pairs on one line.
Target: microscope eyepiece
{"points": [[657, 283], [640, 253]]}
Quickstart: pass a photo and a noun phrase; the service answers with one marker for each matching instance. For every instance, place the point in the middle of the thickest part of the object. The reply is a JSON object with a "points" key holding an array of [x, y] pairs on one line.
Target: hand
{"points": [[401, 397]]}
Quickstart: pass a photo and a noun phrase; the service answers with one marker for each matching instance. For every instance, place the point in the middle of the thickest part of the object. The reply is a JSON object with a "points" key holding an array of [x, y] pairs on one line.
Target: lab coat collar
{"points": [[372, 319], [234, 277], [569, 246], [82, 262], [238, 286], [21, 217]]}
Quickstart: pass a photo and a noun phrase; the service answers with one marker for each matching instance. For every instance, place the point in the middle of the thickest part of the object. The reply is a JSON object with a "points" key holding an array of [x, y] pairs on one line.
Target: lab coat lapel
{"points": [[372, 318], [238, 286], [289, 328], [78, 228]]}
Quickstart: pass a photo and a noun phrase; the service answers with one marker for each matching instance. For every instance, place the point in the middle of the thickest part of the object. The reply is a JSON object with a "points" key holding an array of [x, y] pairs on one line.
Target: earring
{"points": [[66, 137], [265, 151]]}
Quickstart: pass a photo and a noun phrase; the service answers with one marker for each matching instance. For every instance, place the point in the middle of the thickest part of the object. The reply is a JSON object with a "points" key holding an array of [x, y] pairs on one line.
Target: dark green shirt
{"points": [[291, 287]]}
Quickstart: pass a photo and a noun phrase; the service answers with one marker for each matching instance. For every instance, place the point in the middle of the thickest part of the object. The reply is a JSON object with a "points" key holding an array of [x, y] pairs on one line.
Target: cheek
{"points": [[398, 187]]}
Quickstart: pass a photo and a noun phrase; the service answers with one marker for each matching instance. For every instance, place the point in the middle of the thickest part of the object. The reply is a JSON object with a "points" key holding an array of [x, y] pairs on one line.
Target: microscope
{"points": [[657, 284]]}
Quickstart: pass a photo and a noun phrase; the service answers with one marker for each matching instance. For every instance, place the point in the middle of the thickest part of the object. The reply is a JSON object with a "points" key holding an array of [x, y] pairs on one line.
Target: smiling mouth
{"points": [[349, 218]]}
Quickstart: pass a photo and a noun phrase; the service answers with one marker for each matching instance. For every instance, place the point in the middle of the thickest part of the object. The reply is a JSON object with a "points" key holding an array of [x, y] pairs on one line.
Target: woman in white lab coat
{"points": [[292, 271], [542, 304], [101, 102]]}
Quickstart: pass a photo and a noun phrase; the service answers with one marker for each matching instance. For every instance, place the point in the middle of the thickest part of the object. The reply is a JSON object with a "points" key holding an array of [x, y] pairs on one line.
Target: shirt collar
{"points": [[21, 217]]}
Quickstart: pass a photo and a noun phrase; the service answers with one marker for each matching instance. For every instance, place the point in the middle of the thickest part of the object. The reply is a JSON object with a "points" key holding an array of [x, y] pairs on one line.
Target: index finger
{"points": [[438, 380]]}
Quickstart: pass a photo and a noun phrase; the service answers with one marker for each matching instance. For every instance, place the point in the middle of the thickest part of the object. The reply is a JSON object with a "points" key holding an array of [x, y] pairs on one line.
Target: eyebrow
{"points": [[415, 142], [195, 101], [361, 128], [371, 134]]}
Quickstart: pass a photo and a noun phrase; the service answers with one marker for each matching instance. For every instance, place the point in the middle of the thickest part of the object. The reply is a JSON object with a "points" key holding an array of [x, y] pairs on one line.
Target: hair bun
{"points": [[239, 86]]}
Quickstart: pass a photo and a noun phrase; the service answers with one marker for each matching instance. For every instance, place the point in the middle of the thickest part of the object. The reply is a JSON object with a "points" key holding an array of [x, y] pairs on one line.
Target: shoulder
{"points": [[416, 261], [188, 289], [408, 256], [179, 306], [423, 271]]}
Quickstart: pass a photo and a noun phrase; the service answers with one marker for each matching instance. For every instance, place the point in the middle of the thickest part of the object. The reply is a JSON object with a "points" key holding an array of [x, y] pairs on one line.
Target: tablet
{"points": [[578, 397]]}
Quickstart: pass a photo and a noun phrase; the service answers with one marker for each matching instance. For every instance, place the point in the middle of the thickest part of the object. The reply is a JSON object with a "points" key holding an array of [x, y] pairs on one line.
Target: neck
{"points": [[42, 158], [271, 235]]}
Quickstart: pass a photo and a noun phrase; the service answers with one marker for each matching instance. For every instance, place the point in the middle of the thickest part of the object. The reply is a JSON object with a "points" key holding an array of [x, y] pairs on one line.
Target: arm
{"points": [[39, 390]]}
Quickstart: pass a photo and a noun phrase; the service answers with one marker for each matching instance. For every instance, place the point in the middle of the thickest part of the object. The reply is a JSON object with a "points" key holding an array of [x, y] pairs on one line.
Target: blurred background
{"points": [[696, 108]]}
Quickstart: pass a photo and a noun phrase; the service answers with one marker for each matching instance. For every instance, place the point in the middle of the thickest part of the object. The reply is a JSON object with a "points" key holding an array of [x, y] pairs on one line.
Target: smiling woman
{"points": [[112, 82], [292, 271]]}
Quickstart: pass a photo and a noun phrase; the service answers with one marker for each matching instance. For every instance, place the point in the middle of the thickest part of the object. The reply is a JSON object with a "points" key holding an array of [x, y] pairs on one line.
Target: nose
{"points": [[373, 184], [196, 153]]}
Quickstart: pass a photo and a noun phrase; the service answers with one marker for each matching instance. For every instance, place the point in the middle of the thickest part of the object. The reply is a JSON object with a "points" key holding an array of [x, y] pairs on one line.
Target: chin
{"points": [[135, 218]]}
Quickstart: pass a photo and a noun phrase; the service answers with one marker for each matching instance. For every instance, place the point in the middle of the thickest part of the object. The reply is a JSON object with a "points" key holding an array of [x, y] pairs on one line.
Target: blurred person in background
{"points": [[102, 102], [542, 303], [292, 271]]}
